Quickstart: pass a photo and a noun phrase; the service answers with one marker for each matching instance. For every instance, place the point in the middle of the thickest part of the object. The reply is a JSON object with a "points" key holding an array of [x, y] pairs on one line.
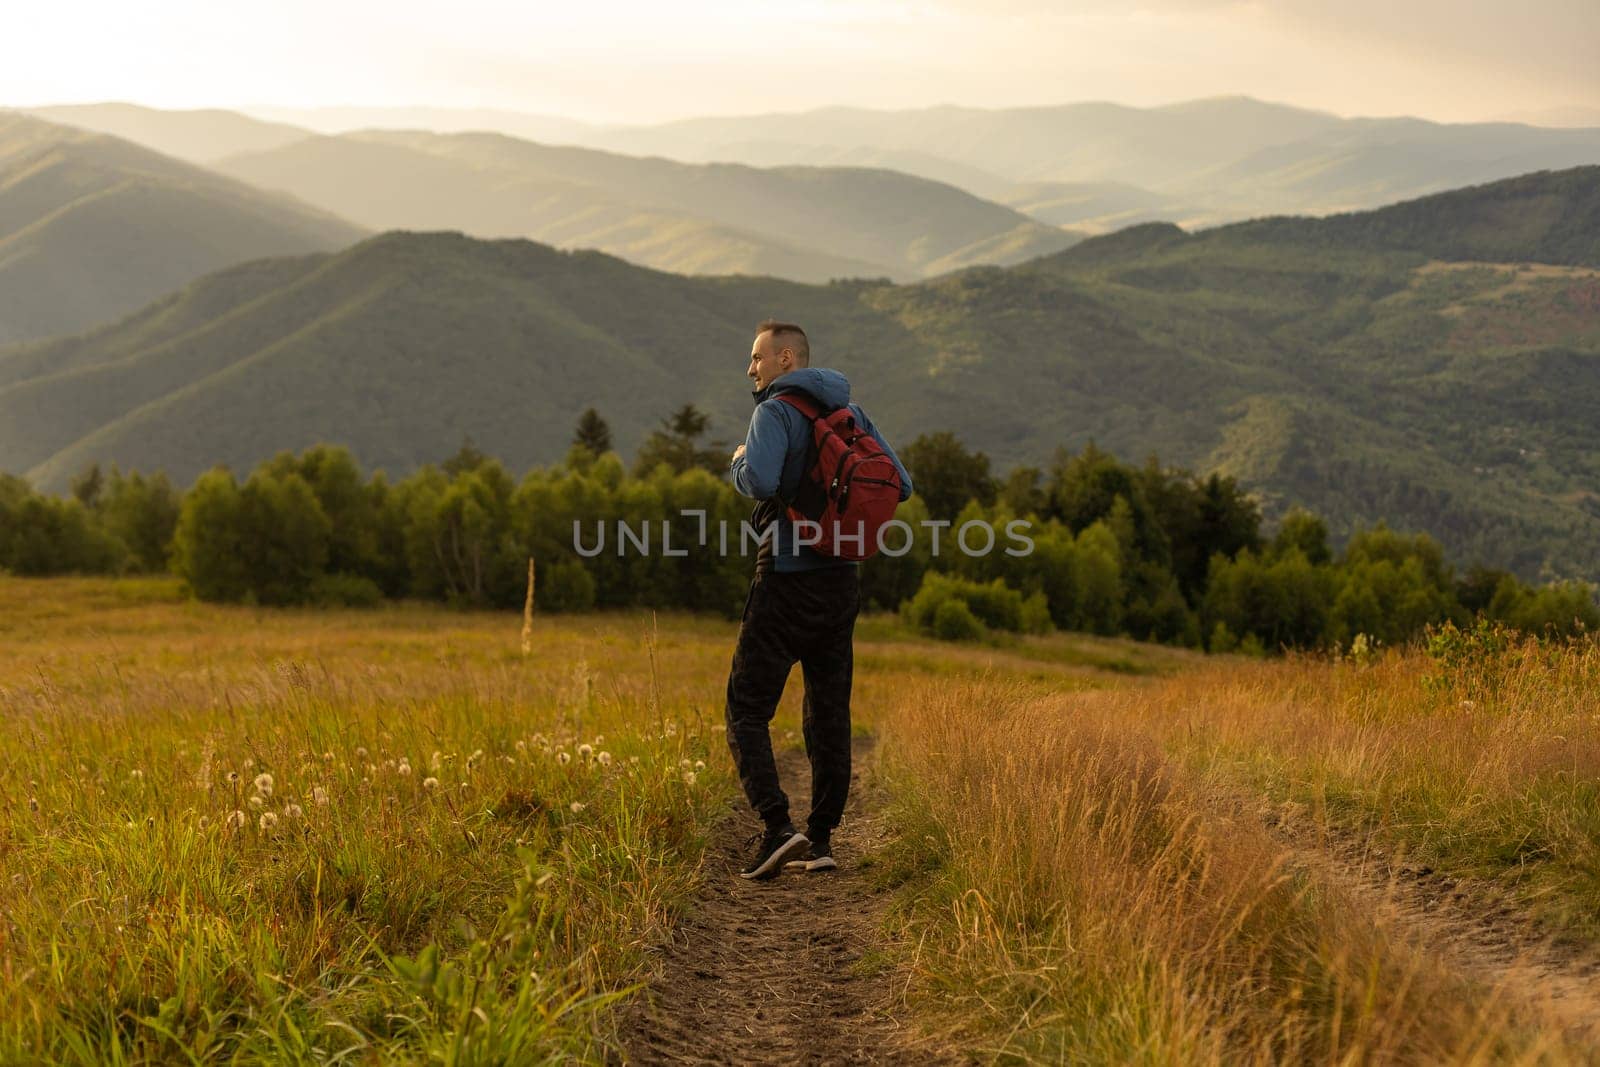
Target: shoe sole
{"points": [[775, 862], [812, 866]]}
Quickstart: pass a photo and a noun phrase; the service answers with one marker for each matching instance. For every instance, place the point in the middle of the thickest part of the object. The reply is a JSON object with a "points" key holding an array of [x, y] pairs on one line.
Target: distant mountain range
{"points": [[1093, 167], [93, 227], [1436, 363], [803, 223], [1226, 158]]}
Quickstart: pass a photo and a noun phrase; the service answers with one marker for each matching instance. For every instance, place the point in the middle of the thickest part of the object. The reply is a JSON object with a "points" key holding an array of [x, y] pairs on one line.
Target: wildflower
{"points": [[136, 774], [264, 784], [233, 777], [319, 797], [292, 811], [577, 806], [599, 739], [269, 821], [430, 783], [361, 752], [236, 820], [404, 769], [563, 757], [699, 764], [688, 778], [604, 759], [684, 765], [258, 801], [585, 751]]}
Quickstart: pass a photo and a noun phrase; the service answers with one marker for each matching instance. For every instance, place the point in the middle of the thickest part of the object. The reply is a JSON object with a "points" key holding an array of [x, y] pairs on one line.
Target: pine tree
{"points": [[593, 433]]}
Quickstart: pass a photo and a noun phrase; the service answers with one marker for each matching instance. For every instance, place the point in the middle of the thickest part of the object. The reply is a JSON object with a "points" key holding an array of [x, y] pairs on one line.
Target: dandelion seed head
{"points": [[361, 752], [477, 754], [563, 758], [684, 764], [236, 820], [403, 769], [264, 784], [699, 764], [604, 759], [268, 822], [585, 751], [688, 778], [293, 811], [258, 801], [327, 757], [319, 797], [233, 777], [522, 746], [136, 774], [430, 783], [248, 763], [577, 806]]}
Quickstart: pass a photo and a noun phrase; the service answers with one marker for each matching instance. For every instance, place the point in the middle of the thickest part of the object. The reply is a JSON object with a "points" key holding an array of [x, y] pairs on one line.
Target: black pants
{"points": [[809, 616]]}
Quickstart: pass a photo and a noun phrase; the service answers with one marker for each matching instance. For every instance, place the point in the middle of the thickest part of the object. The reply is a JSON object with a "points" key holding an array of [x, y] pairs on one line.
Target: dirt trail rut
{"points": [[785, 971], [1464, 924]]}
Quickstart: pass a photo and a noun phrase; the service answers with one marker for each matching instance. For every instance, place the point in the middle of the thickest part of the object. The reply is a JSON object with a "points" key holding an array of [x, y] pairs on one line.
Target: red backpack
{"points": [[850, 487]]}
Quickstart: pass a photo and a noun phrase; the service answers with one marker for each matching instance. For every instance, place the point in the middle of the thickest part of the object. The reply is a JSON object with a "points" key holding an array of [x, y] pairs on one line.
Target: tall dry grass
{"points": [[1089, 879]]}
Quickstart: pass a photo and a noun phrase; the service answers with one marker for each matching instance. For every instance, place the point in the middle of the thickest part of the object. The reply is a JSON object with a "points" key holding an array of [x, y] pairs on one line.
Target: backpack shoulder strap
{"points": [[801, 403]]}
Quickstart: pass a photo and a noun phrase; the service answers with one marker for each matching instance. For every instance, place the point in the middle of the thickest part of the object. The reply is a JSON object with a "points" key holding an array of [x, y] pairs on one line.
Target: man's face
{"points": [[768, 361]]}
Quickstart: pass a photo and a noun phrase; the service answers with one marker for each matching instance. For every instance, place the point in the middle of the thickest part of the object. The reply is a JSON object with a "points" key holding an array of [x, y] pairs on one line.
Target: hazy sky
{"points": [[610, 60]]}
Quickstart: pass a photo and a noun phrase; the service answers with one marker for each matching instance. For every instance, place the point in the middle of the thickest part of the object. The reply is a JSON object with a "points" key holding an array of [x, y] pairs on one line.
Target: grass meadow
{"points": [[410, 835]]}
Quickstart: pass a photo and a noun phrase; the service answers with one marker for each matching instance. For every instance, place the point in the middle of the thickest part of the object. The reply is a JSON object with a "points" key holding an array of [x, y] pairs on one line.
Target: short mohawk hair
{"points": [[790, 334]]}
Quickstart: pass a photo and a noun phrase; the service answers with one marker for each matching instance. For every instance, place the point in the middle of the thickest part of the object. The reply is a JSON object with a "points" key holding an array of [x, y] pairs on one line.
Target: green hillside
{"points": [[1368, 383], [92, 227], [805, 223]]}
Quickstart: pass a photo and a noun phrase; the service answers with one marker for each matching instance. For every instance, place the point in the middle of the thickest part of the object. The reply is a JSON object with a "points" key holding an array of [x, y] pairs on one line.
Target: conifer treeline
{"points": [[1151, 552]]}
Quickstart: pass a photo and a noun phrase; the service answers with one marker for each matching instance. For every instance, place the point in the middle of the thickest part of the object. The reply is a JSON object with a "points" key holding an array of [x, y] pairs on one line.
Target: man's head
{"points": [[779, 348]]}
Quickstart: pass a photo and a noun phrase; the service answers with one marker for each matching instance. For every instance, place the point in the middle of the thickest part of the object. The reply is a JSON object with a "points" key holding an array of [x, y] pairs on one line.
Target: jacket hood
{"points": [[829, 387]]}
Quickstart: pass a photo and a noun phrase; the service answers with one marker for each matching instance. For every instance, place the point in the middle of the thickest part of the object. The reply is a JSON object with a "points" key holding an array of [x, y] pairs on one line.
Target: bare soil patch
{"points": [[795, 970]]}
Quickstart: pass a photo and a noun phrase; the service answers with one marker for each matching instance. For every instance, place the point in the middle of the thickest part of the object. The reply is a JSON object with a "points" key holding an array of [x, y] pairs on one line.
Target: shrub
{"points": [[954, 621]]}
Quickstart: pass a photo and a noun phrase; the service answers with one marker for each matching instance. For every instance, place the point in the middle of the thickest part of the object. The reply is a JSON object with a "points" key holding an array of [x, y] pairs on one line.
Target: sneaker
{"points": [[819, 857], [776, 847]]}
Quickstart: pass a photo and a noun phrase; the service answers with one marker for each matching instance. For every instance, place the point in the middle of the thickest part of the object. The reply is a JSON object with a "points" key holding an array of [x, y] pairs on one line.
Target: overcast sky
{"points": [[607, 60]]}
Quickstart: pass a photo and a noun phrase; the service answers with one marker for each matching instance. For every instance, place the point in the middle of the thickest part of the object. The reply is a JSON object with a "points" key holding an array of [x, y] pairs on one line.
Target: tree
{"points": [[142, 513], [946, 476], [592, 433], [677, 445], [88, 485]]}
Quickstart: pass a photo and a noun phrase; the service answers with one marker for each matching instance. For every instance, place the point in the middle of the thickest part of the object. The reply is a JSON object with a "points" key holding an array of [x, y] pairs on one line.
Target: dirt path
{"points": [[1464, 924], [787, 971]]}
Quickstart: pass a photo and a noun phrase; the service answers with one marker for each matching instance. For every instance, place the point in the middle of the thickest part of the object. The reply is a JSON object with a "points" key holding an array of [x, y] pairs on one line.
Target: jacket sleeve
{"points": [[905, 475], [757, 473]]}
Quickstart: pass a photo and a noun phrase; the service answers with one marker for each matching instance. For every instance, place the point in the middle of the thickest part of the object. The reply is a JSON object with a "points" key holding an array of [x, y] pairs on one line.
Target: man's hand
{"points": [[737, 453]]}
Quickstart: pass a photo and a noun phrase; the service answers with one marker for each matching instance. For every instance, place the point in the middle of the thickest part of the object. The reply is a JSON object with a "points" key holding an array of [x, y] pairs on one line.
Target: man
{"points": [[802, 606]]}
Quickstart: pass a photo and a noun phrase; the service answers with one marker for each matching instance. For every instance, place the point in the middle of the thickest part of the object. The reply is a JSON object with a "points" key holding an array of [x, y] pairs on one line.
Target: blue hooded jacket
{"points": [[774, 460]]}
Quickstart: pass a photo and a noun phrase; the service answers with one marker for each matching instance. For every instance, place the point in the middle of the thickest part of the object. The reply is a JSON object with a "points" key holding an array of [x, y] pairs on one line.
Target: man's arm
{"points": [[757, 465], [905, 475]]}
